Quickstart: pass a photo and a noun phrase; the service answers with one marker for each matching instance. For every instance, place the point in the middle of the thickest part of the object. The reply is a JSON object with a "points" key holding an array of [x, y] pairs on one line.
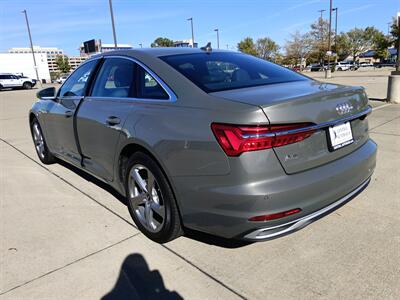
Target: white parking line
{"points": [[382, 106]]}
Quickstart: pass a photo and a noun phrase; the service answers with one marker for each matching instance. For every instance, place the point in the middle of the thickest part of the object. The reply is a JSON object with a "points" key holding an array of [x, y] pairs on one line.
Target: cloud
{"points": [[363, 7]]}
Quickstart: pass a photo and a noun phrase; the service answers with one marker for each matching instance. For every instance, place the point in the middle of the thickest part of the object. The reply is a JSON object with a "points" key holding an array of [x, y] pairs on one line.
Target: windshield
{"points": [[219, 71]]}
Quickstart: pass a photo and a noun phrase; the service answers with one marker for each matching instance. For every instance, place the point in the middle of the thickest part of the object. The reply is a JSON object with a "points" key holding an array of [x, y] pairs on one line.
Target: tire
{"points": [[1, 87], [339, 69], [27, 86], [154, 212], [42, 151]]}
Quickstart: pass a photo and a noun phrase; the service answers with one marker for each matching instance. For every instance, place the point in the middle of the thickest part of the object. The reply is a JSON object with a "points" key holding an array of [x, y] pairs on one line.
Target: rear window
{"points": [[219, 71]]}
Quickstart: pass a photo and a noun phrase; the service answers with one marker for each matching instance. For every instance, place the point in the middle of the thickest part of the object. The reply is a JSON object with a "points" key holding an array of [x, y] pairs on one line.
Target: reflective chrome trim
{"points": [[358, 115], [265, 233], [170, 93]]}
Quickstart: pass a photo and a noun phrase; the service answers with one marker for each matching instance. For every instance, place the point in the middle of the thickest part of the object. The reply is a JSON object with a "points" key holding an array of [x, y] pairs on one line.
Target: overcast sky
{"points": [[66, 23]]}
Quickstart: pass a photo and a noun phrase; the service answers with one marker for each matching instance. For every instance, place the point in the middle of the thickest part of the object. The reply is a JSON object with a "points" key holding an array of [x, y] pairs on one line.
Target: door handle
{"points": [[112, 121], [69, 114]]}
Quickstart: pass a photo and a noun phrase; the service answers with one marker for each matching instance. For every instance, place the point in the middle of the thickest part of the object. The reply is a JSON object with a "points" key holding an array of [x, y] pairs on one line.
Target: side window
{"points": [[3, 77], [115, 79], [76, 84], [148, 87]]}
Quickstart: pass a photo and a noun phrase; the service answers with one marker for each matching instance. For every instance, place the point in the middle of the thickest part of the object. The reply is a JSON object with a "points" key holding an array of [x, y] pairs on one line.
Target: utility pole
{"points": [[30, 41], [336, 17], [112, 23], [329, 52], [321, 31], [217, 30], [191, 24]]}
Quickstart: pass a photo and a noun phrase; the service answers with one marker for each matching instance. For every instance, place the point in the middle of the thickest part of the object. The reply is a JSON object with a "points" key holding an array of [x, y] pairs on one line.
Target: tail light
{"points": [[275, 216], [236, 139]]}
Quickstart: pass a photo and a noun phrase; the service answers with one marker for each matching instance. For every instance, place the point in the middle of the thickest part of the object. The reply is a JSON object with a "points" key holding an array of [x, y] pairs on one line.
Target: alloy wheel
{"points": [[146, 199], [38, 139]]}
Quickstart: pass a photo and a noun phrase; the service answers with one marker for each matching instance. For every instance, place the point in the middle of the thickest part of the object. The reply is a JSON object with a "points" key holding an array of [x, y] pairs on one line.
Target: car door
{"points": [[59, 120], [102, 114], [120, 85]]}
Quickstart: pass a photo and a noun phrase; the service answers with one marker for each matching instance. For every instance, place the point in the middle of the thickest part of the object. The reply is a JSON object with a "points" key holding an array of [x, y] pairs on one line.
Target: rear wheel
{"points": [[150, 199], [27, 85], [1, 87], [42, 151]]}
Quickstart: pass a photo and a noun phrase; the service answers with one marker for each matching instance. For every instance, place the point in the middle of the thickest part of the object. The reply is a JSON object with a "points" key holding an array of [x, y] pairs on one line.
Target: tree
{"points": [[381, 43], [266, 48], [342, 46], [361, 40], [62, 63], [298, 47], [247, 46], [162, 42], [318, 34]]}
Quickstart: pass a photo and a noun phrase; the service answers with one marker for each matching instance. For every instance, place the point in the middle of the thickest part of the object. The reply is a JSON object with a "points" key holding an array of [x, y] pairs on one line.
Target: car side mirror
{"points": [[47, 94]]}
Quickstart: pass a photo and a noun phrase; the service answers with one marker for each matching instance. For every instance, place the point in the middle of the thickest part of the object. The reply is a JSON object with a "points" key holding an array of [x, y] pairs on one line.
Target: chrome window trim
{"points": [[358, 115], [171, 95]]}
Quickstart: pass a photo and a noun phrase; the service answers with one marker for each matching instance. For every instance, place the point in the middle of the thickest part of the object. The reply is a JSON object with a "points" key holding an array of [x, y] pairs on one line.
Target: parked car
{"points": [[318, 67], [384, 64], [62, 79], [255, 153], [8, 80], [343, 66], [366, 64]]}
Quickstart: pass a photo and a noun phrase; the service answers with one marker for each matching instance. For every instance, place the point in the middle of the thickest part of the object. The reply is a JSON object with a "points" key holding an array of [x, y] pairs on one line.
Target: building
{"points": [[101, 48], [22, 63], [75, 61], [185, 43], [368, 56], [51, 52]]}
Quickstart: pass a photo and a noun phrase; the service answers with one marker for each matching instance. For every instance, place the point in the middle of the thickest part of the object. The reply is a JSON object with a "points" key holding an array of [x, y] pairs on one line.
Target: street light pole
{"points": [[336, 17], [328, 71], [321, 30], [141, 46], [112, 23], [30, 40], [217, 30], [191, 24]]}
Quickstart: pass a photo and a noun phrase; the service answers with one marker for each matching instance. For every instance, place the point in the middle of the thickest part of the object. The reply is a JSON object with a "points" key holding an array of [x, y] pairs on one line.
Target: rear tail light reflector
{"points": [[236, 139], [275, 216]]}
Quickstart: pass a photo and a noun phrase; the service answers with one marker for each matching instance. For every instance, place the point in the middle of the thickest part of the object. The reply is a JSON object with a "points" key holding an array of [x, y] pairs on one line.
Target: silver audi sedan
{"points": [[215, 141]]}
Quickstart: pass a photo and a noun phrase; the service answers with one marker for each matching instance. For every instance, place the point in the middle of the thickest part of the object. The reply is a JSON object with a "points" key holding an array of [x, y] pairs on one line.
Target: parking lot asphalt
{"points": [[63, 235]]}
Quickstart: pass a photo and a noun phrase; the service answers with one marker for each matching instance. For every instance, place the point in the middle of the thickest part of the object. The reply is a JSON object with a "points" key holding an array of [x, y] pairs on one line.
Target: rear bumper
{"points": [[268, 233], [257, 185]]}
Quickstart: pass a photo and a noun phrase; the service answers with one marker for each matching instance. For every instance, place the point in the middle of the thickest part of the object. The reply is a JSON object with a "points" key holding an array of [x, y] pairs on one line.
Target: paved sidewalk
{"points": [[63, 235]]}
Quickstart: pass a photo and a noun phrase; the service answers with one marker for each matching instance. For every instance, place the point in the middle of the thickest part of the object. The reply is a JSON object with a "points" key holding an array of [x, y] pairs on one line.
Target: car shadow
{"points": [[137, 281], [188, 233]]}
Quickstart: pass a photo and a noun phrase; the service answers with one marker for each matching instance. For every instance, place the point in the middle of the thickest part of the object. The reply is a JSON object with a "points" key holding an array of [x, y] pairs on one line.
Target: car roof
{"points": [[159, 51]]}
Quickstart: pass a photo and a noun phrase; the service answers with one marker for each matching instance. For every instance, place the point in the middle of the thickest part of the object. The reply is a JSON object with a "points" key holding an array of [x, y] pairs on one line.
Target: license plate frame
{"points": [[339, 136]]}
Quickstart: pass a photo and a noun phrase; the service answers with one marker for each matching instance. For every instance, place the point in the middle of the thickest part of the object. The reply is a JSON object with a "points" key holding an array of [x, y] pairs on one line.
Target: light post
{"points": [[112, 23], [217, 30], [336, 17], [191, 25], [329, 52], [30, 41], [141, 46], [321, 28]]}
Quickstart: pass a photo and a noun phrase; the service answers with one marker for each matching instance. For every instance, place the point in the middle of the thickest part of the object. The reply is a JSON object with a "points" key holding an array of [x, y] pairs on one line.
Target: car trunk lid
{"points": [[313, 102]]}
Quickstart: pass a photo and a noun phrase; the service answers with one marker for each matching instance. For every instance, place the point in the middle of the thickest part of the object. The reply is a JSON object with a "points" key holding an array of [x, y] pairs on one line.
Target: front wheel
{"points": [[42, 151], [150, 199]]}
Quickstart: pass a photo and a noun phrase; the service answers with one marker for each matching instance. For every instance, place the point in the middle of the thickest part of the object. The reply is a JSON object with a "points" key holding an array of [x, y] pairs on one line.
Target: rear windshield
{"points": [[219, 71]]}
